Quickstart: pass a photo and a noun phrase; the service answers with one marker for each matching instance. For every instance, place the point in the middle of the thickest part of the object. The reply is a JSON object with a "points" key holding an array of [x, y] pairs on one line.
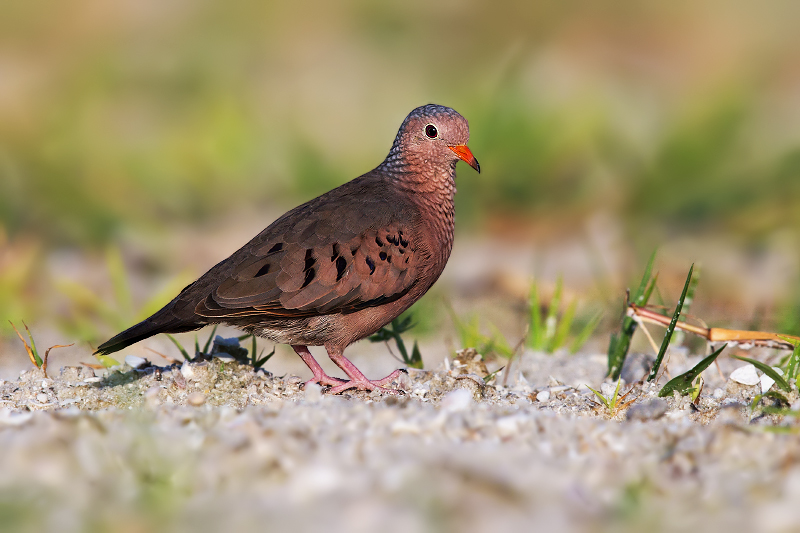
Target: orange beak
{"points": [[464, 154]]}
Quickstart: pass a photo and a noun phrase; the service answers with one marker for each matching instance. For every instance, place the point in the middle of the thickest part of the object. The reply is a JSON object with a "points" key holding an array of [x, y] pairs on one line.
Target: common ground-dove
{"points": [[338, 268]]}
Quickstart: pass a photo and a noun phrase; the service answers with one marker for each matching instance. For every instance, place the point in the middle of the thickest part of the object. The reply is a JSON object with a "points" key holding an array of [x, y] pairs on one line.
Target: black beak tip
{"points": [[477, 166]]}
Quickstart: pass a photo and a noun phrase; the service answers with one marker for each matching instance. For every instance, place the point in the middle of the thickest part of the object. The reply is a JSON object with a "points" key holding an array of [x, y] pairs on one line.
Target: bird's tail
{"points": [[147, 328]]}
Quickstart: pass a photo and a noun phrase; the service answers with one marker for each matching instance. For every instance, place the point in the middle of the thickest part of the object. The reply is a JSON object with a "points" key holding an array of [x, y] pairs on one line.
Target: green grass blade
{"points": [[684, 383], [536, 339], [768, 370], [107, 361], [119, 280], [253, 352], [416, 357], [210, 338], [261, 360], [793, 363], [563, 328], [38, 359], [550, 322], [671, 327], [687, 304], [498, 344], [649, 291], [401, 347], [639, 296], [602, 398], [620, 343], [178, 345], [586, 332]]}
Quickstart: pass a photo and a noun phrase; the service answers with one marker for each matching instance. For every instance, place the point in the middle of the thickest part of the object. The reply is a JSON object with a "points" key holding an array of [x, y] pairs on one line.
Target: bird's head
{"points": [[434, 135]]}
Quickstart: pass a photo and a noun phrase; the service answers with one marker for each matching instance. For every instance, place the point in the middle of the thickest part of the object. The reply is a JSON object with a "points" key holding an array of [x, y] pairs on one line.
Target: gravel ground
{"points": [[212, 444]]}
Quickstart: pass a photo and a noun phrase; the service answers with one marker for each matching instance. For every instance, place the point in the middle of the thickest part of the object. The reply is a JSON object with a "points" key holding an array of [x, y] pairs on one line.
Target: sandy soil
{"points": [[212, 445]]}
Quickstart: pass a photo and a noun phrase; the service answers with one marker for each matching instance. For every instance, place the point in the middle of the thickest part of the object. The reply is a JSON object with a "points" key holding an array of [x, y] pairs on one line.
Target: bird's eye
{"points": [[431, 132]]}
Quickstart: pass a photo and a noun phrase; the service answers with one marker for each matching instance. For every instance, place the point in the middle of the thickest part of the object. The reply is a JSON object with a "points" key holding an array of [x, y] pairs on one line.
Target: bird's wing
{"points": [[319, 259]]}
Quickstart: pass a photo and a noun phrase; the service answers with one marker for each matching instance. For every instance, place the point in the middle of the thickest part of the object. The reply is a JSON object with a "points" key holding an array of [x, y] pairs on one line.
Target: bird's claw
{"points": [[369, 384]]}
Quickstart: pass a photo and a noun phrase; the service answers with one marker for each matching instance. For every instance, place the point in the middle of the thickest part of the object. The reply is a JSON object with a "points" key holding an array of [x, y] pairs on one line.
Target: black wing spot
{"points": [[277, 248], [353, 250], [389, 259], [392, 239], [406, 259], [402, 250], [341, 265], [309, 260], [261, 271], [310, 273], [335, 253], [378, 241], [382, 255], [403, 243], [371, 265]]}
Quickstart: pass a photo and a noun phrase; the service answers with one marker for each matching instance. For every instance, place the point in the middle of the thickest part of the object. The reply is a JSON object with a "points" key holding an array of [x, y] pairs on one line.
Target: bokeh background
{"points": [[143, 141]]}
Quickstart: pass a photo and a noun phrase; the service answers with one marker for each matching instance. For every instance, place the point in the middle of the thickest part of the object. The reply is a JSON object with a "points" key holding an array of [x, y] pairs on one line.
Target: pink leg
{"points": [[357, 379], [319, 375]]}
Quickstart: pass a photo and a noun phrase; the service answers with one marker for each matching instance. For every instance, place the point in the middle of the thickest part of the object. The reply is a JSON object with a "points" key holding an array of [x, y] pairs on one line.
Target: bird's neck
{"points": [[432, 188]]}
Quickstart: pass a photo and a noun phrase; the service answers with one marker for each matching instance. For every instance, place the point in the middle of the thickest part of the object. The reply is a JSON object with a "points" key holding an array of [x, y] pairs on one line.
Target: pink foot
{"points": [[358, 380], [320, 376], [367, 384], [325, 380]]}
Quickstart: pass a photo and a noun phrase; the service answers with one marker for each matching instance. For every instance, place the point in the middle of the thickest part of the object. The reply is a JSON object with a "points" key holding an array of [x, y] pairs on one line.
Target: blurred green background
{"points": [[148, 127]]}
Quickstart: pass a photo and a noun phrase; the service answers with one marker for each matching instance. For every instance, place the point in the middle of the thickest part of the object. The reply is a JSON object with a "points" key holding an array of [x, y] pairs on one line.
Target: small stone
{"points": [[457, 400], [471, 382], [767, 382], [9, 418], [196, 399], [507, 426], [405, 426], [187, 371], [134, 361], [651, 409], [41, 397], [543, 396], [224, 357], [719, 393], [746, 375], [313, 392]]}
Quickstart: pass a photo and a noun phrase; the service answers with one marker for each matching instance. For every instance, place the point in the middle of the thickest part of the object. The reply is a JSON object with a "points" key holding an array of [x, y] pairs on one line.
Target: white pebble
{"points": [[41, 398], [196, 399], [187, 371], [507, 426], [746, 375], [313, 392], [767, 382], [405, 426], [457, 400], [543, 396], [135, 361], [9, 418]]}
